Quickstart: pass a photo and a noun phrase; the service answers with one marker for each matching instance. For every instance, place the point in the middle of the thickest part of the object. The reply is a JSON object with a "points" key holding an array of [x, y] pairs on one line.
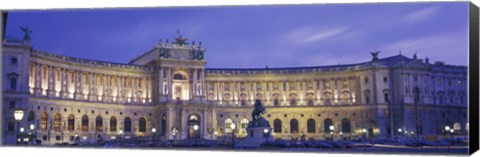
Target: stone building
{"points": [[167, 93]]}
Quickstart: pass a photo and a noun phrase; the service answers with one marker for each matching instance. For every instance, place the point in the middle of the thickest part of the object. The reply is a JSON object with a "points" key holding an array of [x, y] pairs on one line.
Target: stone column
{"points": [[119, 83], [350, 96], [170, 84], [94, 87], [63, 83], [202, 82], [321, 85], [287, 92], [222, 88], [160, 82], [304, 93], [315, 89], [147, 90], [51, 82], [339, 89], [38, 80], [194, 84]]}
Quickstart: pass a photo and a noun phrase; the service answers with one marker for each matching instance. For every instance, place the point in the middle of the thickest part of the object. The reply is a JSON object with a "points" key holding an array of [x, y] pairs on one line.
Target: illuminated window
{"points": [[85, 123], [113, 124], [99, 123], [43, 121], [57, 124], [71, 123]]}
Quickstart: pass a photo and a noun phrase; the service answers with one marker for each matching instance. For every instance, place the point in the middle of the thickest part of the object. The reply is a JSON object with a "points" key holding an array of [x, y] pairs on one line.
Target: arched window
{"points": [[113, 124], [228, 122], [277, 126], [311, 125], [346, 125], [99, 123], [326, 125], [127, 124], [85, 123], [294, 126], [57, 123], [71, 123], [142, 125], [44, 121]]}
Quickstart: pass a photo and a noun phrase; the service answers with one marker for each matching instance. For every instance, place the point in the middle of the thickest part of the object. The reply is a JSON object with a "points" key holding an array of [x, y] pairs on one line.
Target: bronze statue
{"points": [[27, 31], [258, 110], [375, 55]]}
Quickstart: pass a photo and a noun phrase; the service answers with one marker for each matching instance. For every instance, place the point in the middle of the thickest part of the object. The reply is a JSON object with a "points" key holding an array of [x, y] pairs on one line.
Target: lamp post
{"points": [[195, 129], [364, 133], [32, 127], [341, 135], [120, 133], [18, 115], [154, 130], [447, 129], [331, 133], [265, 134], [232, 126]]}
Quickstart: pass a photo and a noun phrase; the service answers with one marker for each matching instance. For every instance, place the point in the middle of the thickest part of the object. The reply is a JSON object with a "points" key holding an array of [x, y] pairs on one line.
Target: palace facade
{"points": [[168, 93]]}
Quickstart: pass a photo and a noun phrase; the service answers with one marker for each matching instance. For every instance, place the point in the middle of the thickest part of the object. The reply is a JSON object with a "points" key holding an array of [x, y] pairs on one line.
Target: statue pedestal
{"points": [[256, 136]]}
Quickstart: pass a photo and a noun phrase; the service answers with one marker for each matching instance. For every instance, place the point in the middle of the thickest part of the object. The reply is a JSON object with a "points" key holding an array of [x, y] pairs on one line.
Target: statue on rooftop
{"points": [[375, 55], [27, 32]]}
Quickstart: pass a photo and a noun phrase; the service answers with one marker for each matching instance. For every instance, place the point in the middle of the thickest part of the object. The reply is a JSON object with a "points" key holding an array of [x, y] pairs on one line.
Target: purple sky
{"points": [[255, 36]]}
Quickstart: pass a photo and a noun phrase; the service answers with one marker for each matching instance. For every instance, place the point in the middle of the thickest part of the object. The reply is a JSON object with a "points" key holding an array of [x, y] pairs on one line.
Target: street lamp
{"points": [[265, 134], [154, 130], [195, 129], [32, 127], [18, 115], [232, 126], [447, 129], [331, 133], [341, 135], [364, 133]]}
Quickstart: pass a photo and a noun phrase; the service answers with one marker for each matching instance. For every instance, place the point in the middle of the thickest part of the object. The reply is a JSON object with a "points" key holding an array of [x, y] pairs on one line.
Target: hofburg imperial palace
{"points": [[167, 93]]}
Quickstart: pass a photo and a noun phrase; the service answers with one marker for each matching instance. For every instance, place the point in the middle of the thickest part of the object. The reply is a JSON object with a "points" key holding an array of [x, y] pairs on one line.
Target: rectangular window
{"points": [[11, 105], [13, 83], [13, 60]]}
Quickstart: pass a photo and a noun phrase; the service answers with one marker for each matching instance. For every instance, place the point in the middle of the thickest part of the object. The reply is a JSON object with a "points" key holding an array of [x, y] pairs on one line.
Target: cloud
{"points": [[310, 34], [421, 14], [451, 47]]}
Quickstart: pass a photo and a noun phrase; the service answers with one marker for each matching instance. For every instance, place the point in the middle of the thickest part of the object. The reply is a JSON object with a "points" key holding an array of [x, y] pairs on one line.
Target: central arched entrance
{"points": [[194, 126]]}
